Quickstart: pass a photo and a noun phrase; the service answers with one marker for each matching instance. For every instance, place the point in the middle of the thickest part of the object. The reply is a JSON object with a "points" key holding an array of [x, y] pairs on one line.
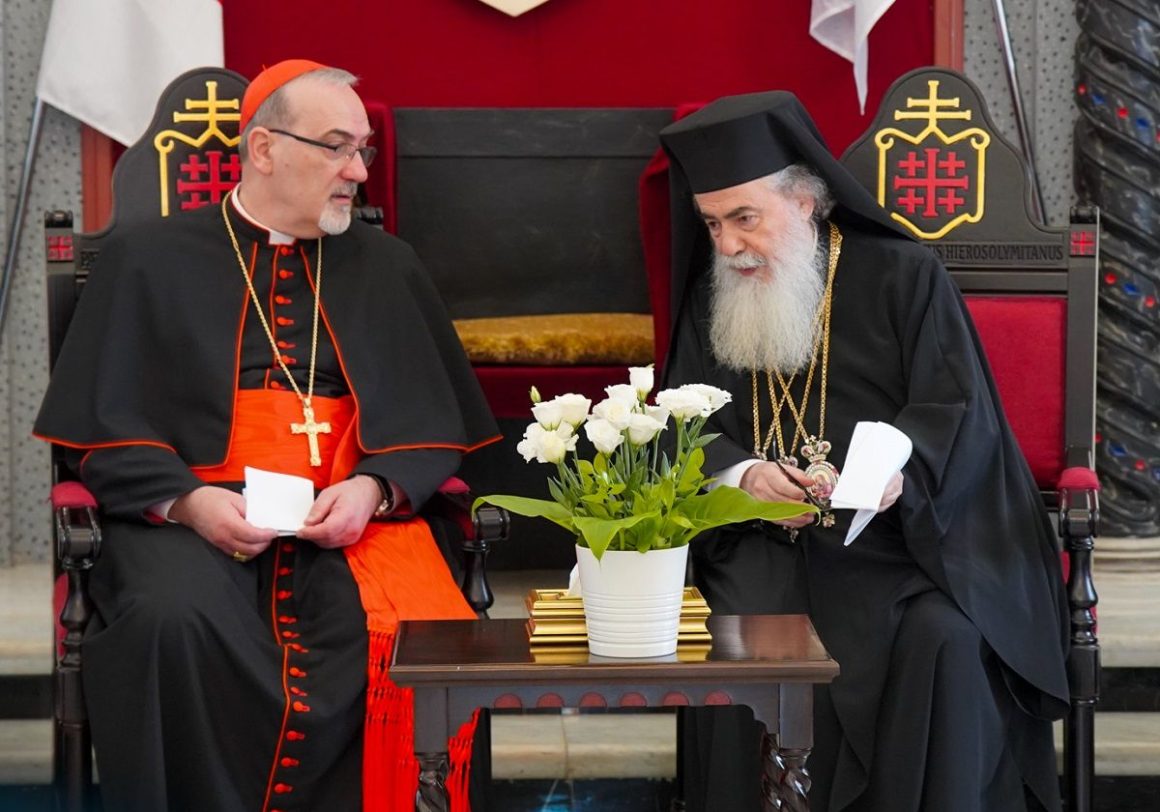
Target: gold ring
{"points": [[241, 558]]}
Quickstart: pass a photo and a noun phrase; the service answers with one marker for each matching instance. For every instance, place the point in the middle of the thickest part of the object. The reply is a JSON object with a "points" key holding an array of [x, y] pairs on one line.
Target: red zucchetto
{"points": [[270, 80]]}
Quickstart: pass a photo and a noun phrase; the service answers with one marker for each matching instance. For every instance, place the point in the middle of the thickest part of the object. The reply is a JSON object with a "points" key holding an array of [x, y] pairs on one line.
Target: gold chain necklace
{"points": [[308, 426], [814, 447]]}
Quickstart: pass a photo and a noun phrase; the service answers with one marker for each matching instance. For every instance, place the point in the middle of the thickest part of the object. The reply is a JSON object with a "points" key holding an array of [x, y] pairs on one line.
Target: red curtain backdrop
{"points": [[581, 53]]}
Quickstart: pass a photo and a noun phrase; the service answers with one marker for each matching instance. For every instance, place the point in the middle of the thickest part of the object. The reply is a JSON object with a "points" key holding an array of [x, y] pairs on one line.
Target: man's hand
{"points": [[341, 512], [218, 515], [892, 492], [767, 482]]}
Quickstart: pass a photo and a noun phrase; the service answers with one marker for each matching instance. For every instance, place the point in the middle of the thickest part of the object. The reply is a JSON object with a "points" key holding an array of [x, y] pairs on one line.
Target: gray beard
{"points": [[334, 220], [766, 321]]}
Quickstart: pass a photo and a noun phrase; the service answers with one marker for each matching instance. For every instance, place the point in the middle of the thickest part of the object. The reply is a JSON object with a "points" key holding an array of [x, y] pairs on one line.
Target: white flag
{"points": [[844, 26], [106, 62]]}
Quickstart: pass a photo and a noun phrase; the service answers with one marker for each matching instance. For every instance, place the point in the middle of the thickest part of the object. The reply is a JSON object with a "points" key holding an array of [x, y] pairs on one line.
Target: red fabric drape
{"points": [[382, 179], [653, 199], [594, 53]]}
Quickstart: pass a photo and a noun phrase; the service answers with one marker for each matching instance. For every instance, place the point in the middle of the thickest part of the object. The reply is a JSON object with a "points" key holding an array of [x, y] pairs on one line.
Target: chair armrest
{"points": [[78, 531], [489, 524]]}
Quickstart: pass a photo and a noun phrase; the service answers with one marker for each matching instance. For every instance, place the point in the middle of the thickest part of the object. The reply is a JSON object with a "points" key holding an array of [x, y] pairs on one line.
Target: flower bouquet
{"points": [[642, 491]]}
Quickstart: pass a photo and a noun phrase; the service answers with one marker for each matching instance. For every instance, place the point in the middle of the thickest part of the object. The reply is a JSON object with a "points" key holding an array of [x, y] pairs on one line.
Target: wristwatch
{"points": [[388, 504]]}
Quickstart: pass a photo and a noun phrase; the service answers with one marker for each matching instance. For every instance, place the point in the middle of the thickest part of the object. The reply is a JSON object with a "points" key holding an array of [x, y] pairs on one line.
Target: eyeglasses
{"points": [[344, 151]]}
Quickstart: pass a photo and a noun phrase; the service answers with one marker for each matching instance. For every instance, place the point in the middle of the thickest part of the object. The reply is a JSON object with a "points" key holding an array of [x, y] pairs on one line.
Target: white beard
{"points": [[766, 320]]}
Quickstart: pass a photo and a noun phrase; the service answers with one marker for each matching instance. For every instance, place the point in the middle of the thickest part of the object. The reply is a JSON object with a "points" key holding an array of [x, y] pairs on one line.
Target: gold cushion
{"points": [[560, 339]]}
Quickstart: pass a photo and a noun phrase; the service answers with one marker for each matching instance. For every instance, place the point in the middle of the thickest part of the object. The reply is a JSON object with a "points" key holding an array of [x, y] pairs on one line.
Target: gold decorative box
{"points": [[558, 620]]}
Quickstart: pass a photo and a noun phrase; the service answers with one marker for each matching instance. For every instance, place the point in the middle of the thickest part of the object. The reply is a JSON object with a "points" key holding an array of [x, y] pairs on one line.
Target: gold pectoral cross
{"points": [[311, 429]]}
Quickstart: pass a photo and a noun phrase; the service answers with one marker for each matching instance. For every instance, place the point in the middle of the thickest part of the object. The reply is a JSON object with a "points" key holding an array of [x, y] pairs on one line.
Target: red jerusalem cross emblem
{"points": [[206, 178], [932, 179]]}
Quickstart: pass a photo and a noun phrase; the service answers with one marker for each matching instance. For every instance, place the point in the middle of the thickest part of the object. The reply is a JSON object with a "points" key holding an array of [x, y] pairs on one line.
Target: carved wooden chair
{"points": [[187, 158], [527, 220], [936, 162]]}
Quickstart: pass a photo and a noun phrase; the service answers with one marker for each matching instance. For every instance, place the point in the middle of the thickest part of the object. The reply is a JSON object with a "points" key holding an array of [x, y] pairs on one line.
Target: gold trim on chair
{"points": [[212, 111], [923, 188]]}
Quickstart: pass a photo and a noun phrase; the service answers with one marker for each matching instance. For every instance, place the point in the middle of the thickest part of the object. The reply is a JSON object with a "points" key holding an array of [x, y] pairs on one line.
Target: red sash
{"points": [[401, 575]]}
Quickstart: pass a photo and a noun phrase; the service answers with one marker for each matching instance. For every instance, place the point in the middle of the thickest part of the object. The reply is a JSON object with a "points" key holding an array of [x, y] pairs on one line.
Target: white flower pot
{"points": [[632, 601]]}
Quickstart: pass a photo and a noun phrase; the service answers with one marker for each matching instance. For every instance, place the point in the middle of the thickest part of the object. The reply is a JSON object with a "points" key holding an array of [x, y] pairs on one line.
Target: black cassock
{"points": [[947, 615], [185, 682]]}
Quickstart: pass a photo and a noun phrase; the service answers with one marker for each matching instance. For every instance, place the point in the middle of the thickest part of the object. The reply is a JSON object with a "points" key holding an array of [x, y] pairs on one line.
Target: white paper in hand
{"points": [[277, 501], [877, 452]]}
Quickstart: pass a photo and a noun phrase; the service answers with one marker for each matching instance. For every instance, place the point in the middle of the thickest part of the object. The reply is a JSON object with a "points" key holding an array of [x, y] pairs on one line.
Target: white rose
{"points": [[548, 414], [555, 444], [716, 397], [604, 435], [573, 409], [657, 413], [642, 429], [615, 411], [529, 447], [641, 380], [622, 391], [546, 446], [684, 403]]}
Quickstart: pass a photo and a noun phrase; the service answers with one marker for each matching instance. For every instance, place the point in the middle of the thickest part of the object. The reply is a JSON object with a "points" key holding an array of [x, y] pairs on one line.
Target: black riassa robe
{"points": [[967, 553], [187, 698]]}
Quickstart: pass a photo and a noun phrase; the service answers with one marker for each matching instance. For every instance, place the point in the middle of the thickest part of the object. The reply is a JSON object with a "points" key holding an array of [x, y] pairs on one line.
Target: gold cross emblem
{"points": [[311, 429]]}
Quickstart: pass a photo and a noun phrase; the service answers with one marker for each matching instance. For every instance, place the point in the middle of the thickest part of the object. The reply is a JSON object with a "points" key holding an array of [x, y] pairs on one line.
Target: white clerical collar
{"points": [[276, 237]]}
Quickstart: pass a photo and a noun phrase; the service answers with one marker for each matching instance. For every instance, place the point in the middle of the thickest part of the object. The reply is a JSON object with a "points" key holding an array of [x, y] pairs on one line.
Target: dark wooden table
{"points": [[768, 662]]}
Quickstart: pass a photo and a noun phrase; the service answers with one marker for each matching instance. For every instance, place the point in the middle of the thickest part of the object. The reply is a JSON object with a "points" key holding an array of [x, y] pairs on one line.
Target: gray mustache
{"points": [[743, 262]]}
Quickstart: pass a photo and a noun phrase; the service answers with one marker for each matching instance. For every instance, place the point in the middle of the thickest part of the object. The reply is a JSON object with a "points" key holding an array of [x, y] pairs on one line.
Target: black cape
{"points": [[411, 381], [970, 516], [970, 523], [149, 367]]}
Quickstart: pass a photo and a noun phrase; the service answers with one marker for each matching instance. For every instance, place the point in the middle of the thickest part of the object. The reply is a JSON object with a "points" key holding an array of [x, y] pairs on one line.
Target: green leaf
{"points": [[556, 492], [691, 477], [705, 439], [598, 533], [729, 505], [535, 508]]}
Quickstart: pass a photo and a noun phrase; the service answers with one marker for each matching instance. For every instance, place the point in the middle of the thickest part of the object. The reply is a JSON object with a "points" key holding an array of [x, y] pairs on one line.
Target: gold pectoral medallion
{"points": [[824, 475]]}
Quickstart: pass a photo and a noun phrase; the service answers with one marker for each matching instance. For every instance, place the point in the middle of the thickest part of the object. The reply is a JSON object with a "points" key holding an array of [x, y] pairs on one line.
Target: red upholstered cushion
{"points": [[653, 203], [454, 485], [71, 495], [1078, 479], [1024, 339], [59, 594], [506, 387]]}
